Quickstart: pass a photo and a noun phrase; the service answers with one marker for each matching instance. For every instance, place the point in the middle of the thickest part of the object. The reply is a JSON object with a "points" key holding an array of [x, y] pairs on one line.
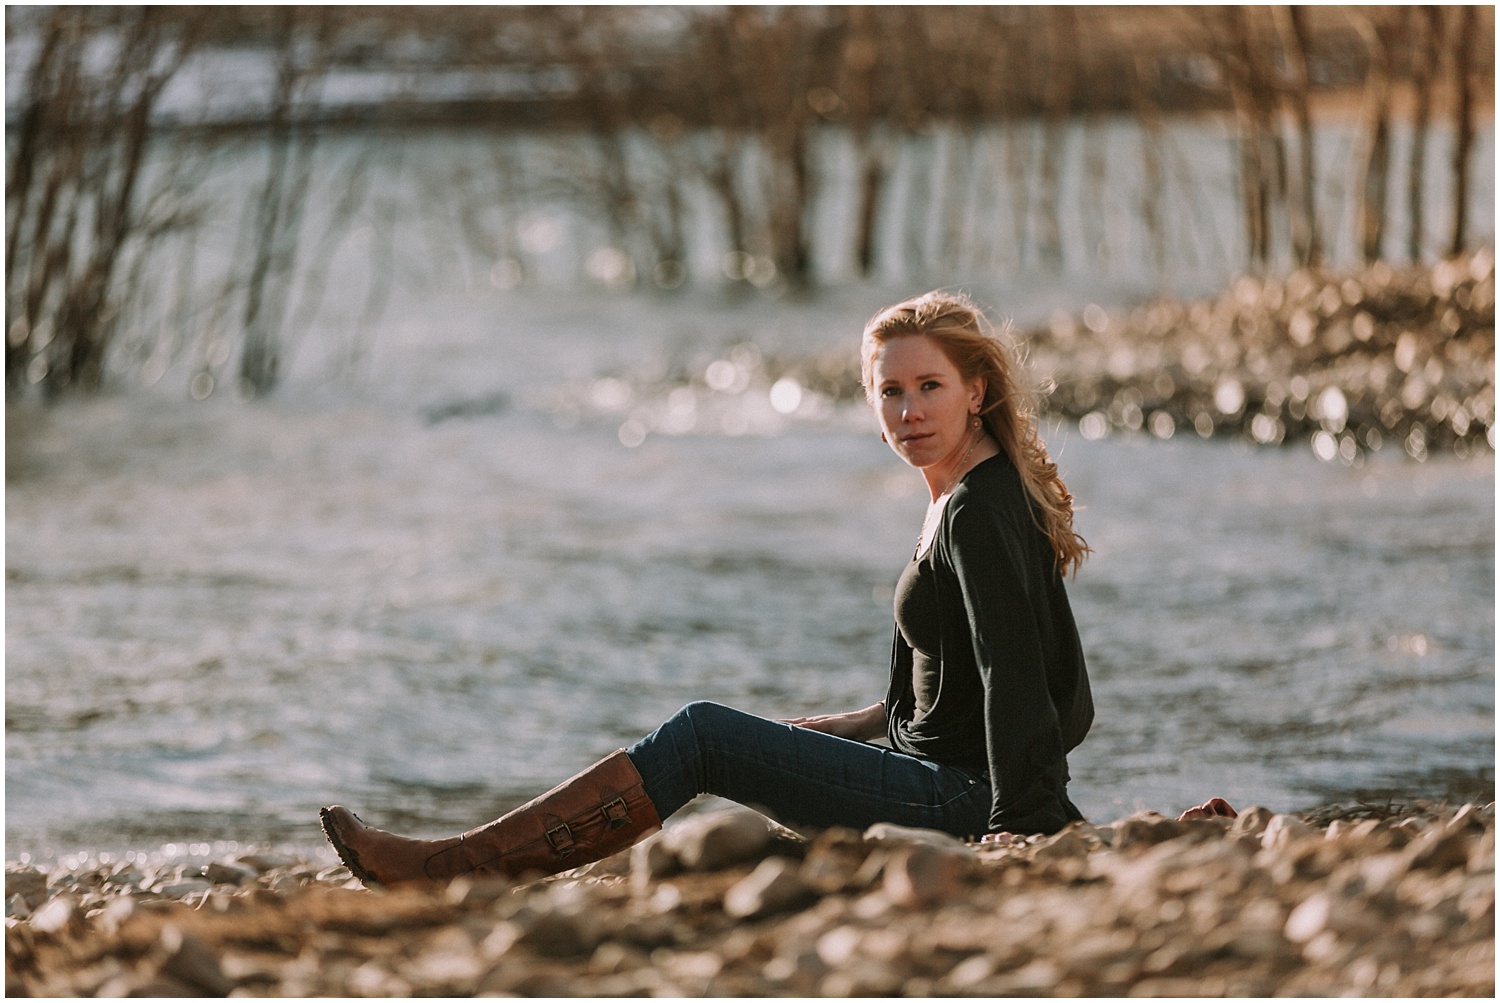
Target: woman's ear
{"points": [[976, 391]]}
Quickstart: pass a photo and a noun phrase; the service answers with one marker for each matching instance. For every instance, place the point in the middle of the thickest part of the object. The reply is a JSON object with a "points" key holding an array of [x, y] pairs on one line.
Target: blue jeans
{"points": [[804, 779]]}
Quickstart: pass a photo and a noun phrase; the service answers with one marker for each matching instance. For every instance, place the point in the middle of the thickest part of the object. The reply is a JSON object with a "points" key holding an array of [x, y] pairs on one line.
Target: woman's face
{"points": [[922, 401]]}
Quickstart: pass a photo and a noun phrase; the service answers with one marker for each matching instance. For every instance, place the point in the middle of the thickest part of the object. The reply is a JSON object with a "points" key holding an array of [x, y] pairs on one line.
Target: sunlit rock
{"points": [[719, 839], [774, 886]]}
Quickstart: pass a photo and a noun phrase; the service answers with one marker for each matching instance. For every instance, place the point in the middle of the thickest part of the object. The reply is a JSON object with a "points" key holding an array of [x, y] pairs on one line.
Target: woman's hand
{"points": [[858, 725]]}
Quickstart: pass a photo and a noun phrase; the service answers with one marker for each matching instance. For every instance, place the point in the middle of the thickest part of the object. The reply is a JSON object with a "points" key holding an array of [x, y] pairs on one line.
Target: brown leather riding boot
{"points": [[601, 811]]}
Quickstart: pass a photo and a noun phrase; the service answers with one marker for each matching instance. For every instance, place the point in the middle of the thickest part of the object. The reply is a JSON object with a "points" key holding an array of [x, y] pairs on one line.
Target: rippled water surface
{"points": [[435, 596]]}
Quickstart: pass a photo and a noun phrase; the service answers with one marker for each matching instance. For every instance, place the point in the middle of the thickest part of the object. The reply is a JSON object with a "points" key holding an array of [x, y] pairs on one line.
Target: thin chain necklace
{"points": [[957, 476]]}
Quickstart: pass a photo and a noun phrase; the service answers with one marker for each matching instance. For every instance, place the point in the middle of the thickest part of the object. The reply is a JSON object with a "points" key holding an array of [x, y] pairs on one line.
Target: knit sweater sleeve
{"points": [[989, 554]]}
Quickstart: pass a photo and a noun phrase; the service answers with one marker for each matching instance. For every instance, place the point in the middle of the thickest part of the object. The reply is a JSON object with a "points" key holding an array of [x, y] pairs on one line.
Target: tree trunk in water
{"points": [[871, 182], [957, 210], [1307, 250], [1061, 74], [1153, 176], [1426, 23], [1463, 122], [1375, 164], [918, 203]]}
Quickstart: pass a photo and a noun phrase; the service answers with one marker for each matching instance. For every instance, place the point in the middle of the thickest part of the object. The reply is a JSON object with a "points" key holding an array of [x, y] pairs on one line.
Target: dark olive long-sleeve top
{"points": [[1011, 695]]}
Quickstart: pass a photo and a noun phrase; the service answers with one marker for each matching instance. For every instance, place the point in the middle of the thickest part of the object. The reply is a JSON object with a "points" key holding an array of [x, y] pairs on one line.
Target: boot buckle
{"points": [[616, 814], [561, 838]]}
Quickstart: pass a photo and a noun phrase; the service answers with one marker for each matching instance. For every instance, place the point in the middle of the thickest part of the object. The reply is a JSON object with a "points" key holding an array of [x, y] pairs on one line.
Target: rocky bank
{"points": [[1375, 900], [1349, 363]]}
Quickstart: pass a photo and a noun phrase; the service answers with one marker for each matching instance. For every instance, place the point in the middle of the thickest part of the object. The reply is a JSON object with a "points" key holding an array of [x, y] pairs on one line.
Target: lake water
{"points": [[518, 545]]}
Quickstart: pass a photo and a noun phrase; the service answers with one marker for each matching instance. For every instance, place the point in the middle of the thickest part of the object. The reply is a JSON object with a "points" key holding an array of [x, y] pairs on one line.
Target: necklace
{"points": [[934, 508]]}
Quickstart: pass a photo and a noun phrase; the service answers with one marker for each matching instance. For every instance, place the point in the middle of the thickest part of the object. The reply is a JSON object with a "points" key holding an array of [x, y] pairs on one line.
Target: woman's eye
{"points": [[931, 385], [889, 392]]}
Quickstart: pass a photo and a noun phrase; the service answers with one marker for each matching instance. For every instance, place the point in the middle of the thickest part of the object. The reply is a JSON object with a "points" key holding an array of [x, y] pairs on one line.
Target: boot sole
{"points": [[346, 854]]}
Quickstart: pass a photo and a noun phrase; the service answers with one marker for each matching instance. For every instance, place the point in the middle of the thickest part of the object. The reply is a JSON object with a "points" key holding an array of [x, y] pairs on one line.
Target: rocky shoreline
{"points": [[1374, 900], [1387, 358], [1348, 363]]}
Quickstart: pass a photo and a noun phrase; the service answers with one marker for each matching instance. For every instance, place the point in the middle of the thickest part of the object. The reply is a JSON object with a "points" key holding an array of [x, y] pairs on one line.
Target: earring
{"points": [[974, 421]]}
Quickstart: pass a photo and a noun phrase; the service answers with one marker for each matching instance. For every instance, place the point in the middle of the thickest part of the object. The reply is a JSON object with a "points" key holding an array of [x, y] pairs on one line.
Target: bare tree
{"points": [[1462, 54], [73, 188], [1292, 29], [1373, 163], [304, 35]]}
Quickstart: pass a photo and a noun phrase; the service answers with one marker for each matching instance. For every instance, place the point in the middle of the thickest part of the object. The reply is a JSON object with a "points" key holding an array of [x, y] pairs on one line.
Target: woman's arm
{"points": [[1028, 768], [859, 725]]}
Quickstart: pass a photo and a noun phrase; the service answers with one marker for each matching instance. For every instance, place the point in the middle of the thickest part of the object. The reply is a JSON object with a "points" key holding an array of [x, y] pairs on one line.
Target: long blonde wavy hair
{"points": [[961, 330]]}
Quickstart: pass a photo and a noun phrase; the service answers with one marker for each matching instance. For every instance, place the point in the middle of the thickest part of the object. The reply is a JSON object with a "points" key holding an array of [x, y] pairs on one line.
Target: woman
{"points": [[988, 690]]}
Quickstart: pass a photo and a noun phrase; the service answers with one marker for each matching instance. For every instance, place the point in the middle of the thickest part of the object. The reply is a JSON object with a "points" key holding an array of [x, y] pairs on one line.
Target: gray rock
{"points": [[559, 934], [229, 873], [187, 959], [27, 882]]}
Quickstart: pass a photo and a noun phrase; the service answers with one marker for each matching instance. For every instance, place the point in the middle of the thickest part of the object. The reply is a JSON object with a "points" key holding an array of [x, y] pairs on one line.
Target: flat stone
{"points": [[885, 833], [182, 889], [1147, 829], [774, 886], [263, 862]]}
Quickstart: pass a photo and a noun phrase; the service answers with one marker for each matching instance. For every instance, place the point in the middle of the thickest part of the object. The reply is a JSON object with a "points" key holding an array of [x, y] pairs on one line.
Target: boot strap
{"points": [[561, 838], [616, 813]]}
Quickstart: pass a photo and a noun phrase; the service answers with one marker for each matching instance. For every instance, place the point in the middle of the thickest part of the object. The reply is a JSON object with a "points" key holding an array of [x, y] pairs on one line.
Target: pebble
{"points": [[1334, 902]]}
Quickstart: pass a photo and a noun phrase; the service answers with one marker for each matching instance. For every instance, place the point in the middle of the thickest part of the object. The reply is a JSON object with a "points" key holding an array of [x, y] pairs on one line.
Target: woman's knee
{"points": [[704, 715]]}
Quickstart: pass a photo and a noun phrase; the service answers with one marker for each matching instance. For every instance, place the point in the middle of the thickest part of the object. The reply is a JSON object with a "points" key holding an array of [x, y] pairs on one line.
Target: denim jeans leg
{"points": [[803, 778]]}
